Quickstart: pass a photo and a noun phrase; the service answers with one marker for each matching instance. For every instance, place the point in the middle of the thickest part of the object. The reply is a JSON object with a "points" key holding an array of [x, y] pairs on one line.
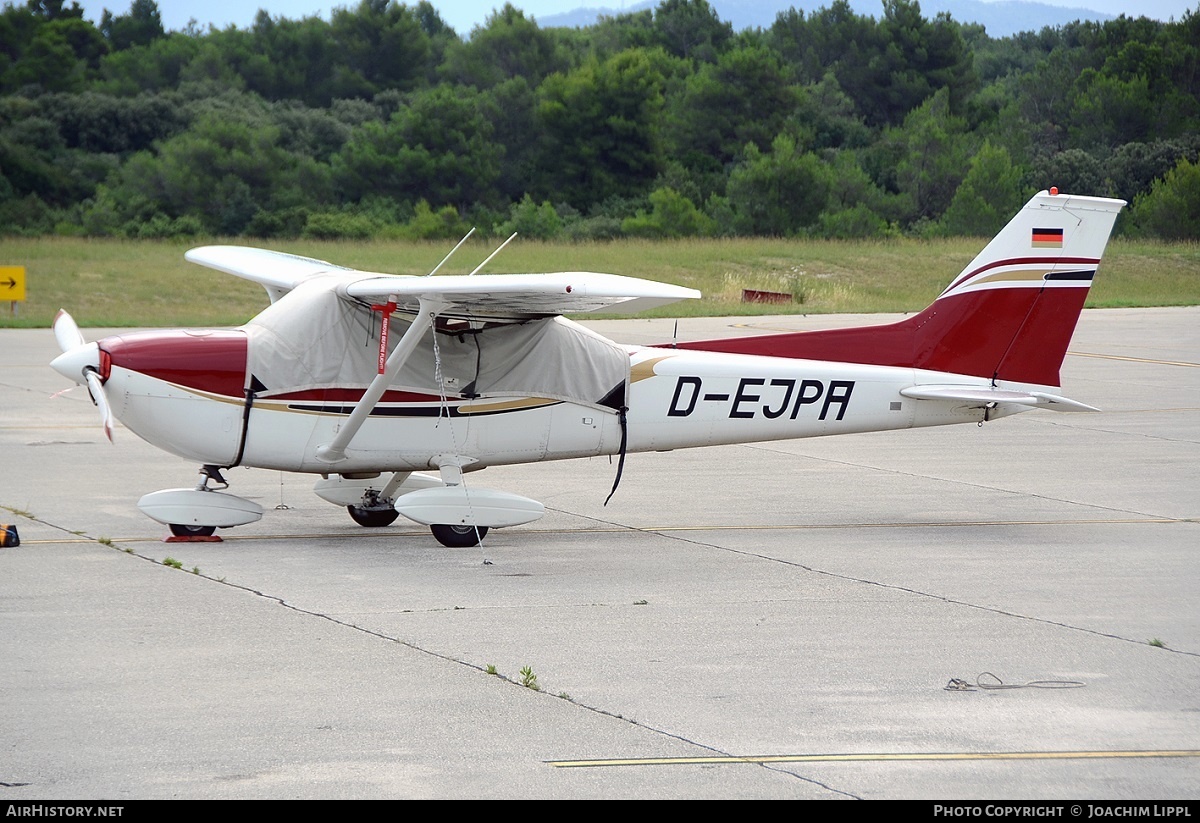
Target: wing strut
{"points": [[335, 450]]}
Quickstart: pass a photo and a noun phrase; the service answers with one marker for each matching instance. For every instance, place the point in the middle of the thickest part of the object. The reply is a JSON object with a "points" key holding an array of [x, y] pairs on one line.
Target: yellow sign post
{"points": [[12, 286]]}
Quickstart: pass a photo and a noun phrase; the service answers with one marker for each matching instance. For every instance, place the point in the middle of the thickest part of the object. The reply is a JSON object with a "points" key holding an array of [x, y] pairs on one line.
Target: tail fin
{"points": [[1008, 316]]}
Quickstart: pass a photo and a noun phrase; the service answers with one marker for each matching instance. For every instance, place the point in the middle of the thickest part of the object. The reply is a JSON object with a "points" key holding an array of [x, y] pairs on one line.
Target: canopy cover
{"points": [[312, 339]]}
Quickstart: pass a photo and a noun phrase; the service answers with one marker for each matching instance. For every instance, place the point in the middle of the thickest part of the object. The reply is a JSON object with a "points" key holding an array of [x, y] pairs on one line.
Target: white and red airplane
{"points": [[366, 379]]}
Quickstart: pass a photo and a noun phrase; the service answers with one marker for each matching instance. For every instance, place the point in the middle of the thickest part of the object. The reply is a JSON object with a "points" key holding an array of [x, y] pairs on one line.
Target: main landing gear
{"points": [[456, 537], [371, 501], [378, 509], [377, 512], [374, 501]]}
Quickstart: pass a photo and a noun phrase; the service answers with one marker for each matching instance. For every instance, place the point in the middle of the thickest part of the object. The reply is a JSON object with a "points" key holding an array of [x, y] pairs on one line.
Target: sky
{"points": [[463, 15]]}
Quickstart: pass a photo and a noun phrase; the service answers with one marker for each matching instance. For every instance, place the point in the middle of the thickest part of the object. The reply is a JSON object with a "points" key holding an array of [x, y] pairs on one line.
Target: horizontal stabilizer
{"points": [[983, 395]]}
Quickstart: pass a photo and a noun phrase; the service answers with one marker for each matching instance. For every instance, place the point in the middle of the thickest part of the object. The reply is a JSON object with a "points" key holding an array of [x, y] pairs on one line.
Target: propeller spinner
{"points": [[81, 362]]}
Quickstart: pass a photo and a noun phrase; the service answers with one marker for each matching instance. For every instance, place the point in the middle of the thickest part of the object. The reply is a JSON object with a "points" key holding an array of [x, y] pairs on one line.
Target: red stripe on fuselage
{"points": [[215, 362], [209, 361]]}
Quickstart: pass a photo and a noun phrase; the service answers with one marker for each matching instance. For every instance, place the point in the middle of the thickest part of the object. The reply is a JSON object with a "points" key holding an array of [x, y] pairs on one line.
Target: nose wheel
{"points": [[182, 530], [197, 513]]}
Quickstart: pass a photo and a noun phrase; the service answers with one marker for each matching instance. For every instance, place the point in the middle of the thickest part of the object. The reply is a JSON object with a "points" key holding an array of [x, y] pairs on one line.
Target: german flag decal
{"points": [[1047, 238]]}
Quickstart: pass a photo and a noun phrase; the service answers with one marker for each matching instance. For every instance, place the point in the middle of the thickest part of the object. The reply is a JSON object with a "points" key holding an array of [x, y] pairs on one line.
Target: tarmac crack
{"points": [[891, 586], [280, 601], [671, 535], [516, 683], [1119, 433]]}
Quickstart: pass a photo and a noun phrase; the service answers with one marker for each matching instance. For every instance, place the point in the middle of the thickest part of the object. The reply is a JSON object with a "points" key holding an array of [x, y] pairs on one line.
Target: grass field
{"points": [[105, 282]]}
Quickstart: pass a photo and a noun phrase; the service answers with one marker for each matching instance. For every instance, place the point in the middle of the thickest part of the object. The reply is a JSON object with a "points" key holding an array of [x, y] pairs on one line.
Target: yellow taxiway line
{"points": [[877, 757]]}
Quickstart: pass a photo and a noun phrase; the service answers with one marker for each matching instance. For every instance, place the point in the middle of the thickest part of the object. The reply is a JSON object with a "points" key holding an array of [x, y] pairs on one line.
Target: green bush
{"points": [[673, 215], [531, 220], [338, 226], [1171, 209], [852, 223], [427, 224]]}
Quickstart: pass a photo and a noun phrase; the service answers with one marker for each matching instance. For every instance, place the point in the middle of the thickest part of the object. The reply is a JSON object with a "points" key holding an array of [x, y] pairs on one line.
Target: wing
{"points": [[275, 271], [523, 295], [485, 295]]}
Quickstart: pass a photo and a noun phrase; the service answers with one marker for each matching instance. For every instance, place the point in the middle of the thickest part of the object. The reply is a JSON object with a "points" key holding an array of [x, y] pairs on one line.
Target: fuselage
{"points": [[188, 392]]}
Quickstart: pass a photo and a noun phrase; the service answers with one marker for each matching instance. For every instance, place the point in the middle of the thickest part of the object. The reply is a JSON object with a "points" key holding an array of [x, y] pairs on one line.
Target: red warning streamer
{"points": [[385, 310]]}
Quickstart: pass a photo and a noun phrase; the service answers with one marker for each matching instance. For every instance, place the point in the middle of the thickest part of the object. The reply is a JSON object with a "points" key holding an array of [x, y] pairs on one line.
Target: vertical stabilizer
{"points": [[1009, 315]]}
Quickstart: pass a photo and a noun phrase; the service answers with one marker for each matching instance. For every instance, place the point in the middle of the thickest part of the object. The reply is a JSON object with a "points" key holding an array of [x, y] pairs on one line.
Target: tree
{"points": [[531, 220], [508, 45], [673, 215], [919, 57], [935, 149], [59, 56], [139, 27], [1171, 209], [1109, 111], [691, 28], [988, 196], [437, 148], [53, 9], [382, 46], [1073, 170], [107, 124], [832, 116], [599, 132], [221, 171], [32, 158], [744, 97], [159, 66], [633, 30], [291, 60], [832, 39], [1134, 167], [779, 193], [511, 107]]}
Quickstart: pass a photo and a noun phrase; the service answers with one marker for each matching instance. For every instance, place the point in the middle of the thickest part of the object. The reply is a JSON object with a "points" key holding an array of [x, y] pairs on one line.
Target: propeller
{"points": [[66, 331], [80, 361]]}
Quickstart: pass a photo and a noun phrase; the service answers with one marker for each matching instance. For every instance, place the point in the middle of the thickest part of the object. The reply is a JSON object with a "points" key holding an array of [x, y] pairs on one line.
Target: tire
{"points": [[180, 530], [372, 518], [458, 537]]}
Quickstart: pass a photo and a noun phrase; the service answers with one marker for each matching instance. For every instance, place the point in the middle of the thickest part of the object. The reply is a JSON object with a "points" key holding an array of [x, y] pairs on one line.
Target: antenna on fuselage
{"points": [[493, 254], [452, 251]]}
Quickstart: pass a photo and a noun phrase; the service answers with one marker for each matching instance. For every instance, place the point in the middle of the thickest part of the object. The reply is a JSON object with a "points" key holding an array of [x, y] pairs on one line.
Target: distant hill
{"points": [[1000, 19]]}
